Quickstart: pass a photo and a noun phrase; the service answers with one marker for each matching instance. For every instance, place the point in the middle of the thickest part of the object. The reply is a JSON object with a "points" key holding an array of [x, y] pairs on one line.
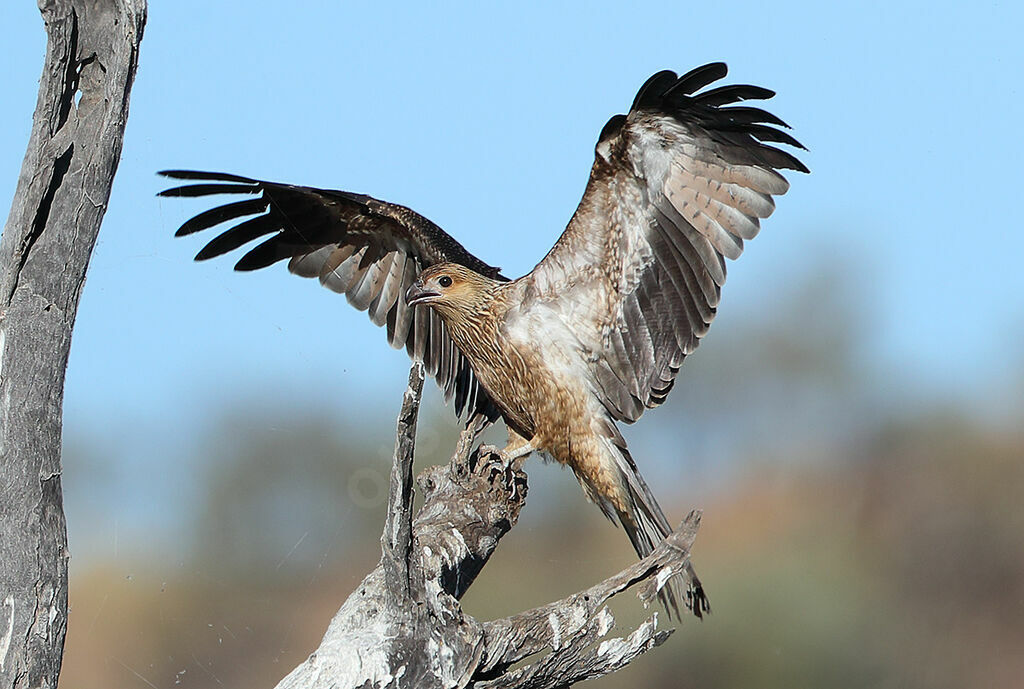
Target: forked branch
{"points": [[404, 626]]}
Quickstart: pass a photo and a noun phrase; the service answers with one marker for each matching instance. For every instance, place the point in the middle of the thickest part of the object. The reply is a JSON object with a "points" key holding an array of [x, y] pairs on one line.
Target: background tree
{"points": [[77, 131]]}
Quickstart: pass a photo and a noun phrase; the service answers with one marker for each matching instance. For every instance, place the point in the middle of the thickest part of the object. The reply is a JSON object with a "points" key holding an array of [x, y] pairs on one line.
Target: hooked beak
{"points": [[417, 294]]}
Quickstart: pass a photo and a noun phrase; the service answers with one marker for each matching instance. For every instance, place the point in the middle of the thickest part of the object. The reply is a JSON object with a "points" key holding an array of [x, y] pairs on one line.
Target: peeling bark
{"points": [[403, 626], [62, 192]]}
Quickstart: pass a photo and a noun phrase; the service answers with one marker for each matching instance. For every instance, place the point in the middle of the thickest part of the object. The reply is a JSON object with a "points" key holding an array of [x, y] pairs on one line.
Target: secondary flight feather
{"points": [[597, 331]]}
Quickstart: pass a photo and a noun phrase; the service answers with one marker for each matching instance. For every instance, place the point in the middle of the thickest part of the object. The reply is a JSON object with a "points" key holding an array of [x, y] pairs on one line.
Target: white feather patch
{"points": [[692, 208], [756, 178], [743, 199]]}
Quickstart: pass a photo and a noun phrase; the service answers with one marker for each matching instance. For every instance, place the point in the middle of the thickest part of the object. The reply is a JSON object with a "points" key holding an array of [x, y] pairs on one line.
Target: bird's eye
{"points": [[444, 281]]}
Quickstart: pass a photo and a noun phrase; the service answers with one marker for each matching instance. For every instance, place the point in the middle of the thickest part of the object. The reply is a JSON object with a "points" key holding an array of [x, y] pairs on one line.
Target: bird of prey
{"points": [[596, 332]]}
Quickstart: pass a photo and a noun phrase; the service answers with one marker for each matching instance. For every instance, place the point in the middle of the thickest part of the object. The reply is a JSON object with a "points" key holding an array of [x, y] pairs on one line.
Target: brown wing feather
{"points": [[678, 184], [359, 246]]}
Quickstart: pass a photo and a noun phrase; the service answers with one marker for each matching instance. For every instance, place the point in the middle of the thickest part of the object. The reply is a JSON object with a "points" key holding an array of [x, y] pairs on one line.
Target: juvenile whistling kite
{"points": [[596, 332]]}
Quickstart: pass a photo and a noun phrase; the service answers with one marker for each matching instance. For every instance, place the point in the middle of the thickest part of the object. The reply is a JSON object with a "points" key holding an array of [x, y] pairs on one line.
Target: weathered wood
{"points": [[572, 625], [411, 631], [403, 626], [62, 192], [396, 541]]}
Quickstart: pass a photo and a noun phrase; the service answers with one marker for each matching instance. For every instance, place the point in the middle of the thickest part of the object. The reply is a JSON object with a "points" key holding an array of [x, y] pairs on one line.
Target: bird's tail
{"points": [[646, 526]]}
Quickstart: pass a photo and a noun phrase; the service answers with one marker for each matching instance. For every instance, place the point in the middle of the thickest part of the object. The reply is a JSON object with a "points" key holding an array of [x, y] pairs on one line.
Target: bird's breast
{"points": [[531, 365], [550, 378]]}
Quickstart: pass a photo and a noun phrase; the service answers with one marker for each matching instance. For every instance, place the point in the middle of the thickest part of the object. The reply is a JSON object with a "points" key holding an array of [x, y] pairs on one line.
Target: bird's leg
{"points": [[515, 453], [517, 448]]}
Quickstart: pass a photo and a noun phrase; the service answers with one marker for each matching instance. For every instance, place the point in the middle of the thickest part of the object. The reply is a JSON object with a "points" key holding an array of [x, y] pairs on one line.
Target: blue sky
{"points": [[484, 119]]}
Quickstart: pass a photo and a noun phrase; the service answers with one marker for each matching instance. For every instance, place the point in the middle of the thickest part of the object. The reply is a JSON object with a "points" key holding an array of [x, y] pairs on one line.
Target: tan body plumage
{"points": [[596, 332], [530, 364]]}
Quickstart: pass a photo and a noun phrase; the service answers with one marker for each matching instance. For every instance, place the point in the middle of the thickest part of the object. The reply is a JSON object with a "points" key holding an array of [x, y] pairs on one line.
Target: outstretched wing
{"points": [[366, 249], [677, 185]]}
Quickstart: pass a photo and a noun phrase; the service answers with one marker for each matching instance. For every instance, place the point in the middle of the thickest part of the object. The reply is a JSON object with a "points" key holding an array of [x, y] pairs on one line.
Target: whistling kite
{"points": [[596, 332]]}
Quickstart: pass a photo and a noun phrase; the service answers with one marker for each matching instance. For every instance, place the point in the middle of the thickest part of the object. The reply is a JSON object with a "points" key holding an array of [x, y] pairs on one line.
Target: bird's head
{"points": [[451, 289]]}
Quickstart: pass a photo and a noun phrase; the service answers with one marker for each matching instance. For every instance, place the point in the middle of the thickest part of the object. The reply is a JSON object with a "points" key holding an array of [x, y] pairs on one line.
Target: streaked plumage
{"points": [[597, 331]]}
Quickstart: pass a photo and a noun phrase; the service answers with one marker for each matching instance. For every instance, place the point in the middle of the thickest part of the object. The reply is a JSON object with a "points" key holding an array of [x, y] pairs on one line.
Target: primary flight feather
{"points": [[597, 331]]}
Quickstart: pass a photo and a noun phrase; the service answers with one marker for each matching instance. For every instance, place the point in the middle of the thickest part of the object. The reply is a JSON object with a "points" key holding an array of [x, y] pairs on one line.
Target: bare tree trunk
{"points": [[77, 131], [403, 626]]}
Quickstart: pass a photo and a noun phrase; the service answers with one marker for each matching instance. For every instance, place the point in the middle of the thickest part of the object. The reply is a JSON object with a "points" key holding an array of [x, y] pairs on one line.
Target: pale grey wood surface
{"points": [[77, 131]]}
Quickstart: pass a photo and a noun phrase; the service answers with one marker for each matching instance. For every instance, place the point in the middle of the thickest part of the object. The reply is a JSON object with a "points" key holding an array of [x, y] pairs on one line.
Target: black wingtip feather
{"points": [[194, 190], [240, 234], [745, 114], [698, 78], [744, 126], [266, 254], [651, 93], [723, 95], [216, 216], [765, 133], [206, 176], [793, 163], [612, 128]]}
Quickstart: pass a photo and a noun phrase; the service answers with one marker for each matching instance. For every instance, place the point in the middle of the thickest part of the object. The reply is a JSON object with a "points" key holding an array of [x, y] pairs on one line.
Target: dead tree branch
{"points": [[403, 626], [77, 130]]}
